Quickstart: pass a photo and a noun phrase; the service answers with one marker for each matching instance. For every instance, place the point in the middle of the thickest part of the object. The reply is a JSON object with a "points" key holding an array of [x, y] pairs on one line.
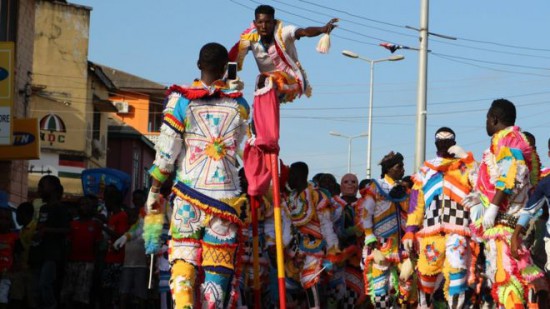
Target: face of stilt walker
{"points": [[265, 24]]}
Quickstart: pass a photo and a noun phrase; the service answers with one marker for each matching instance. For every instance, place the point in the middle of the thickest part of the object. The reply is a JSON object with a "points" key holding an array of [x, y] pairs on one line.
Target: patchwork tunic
{"points": [[506, 166], [309, 213], [440, 222], [202, 130], [383, 220]]}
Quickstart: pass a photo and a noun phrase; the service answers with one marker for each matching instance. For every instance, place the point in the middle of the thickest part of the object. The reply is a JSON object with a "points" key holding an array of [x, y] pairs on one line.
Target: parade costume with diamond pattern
{"points": [[201, 133]]}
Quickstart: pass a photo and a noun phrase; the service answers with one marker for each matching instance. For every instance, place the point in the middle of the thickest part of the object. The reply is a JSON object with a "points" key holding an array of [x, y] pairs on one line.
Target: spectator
{"points": [[84, 239], [20, 292], [8, 242], [48, 248], [134, 271], [138, 200], [116, 226]]}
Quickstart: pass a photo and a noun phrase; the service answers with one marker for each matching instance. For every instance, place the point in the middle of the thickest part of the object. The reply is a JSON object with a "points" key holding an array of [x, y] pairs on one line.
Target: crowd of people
{"points": [[462, 232], [440, 238], [64, 254]]}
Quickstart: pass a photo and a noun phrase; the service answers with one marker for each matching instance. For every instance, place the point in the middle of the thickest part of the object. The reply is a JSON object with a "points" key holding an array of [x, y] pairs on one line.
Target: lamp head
{"points": [[334, 133], [396, 58], [350, 54]]}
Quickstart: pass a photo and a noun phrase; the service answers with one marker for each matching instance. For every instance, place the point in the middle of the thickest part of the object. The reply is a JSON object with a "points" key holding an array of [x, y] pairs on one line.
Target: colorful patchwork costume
{"points": [[506, 166], [383, 219], [308, 212], [440, 222], [202, 130], [346, 287], [279, 60]]}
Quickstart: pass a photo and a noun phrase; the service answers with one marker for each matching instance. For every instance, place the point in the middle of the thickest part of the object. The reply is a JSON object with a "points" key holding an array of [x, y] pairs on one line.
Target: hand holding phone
{"points": [[231, 70]]}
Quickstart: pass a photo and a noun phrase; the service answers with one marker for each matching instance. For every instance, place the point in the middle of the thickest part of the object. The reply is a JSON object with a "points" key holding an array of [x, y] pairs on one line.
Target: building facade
{"points": [[17, 25], [70, 98]]}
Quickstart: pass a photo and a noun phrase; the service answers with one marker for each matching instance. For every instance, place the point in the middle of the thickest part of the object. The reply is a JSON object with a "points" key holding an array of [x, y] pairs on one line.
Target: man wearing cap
{"points": [[383, 214], [439, 220]]}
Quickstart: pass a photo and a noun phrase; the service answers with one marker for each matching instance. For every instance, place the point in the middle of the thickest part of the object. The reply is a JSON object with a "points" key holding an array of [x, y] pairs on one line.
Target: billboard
{"points": [[7, 65], [25, 143]]}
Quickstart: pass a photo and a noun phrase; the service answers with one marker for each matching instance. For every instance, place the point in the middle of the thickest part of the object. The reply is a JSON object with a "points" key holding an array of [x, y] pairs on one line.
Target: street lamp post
{"points": [[371, 62], [350, 138]]}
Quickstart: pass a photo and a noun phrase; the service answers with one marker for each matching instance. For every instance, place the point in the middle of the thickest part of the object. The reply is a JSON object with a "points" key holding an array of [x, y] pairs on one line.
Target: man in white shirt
{"points": [[272, 45]]}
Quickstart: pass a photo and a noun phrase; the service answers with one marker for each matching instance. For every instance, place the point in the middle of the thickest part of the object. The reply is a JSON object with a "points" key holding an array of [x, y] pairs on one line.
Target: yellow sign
{"points": [[26, 141], [7, 64]]}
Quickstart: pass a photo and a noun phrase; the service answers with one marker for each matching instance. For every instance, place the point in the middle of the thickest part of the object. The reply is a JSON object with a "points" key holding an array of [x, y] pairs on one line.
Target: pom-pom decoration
{"points": [[323, 45], [152, 230]]}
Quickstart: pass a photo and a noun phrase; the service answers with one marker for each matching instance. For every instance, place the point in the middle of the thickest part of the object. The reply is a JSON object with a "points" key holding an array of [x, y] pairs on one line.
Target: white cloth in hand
{"points": [[457, 151], [490, 216], [547, 249], [379, 258], [476, 212], [119, 243], [408, 245], [152, 198], [406, 270]]}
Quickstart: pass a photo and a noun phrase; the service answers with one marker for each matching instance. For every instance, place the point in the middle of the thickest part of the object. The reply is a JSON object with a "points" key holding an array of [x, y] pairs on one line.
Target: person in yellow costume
{"points": [[383, 214], [439, 221]]}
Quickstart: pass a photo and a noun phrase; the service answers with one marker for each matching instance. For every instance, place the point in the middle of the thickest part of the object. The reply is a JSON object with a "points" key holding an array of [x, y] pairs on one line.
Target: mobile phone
{"points": [[231, 70]]}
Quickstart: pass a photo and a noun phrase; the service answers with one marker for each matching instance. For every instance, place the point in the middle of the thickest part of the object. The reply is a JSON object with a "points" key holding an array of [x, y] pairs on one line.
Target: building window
{"points": [[8, 20], [155, 117], [146, 182], [96, 125], [136, 170]]}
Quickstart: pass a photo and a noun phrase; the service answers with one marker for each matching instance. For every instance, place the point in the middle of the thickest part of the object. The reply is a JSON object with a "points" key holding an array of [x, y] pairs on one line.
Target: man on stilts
{"points": [[282, 79]]}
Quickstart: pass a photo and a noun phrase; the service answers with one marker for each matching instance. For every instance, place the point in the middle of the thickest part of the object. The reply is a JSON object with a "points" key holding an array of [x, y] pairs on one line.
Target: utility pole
{"points": [[420, 153]]}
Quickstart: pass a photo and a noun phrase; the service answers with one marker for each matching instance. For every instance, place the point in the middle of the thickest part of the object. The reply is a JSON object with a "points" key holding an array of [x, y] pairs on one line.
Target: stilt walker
{"points": [[281, 80], [261, 165]]}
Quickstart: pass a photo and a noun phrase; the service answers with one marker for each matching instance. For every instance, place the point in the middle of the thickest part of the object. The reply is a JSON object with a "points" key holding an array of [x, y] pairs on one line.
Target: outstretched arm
{"points": [[315, 31]]}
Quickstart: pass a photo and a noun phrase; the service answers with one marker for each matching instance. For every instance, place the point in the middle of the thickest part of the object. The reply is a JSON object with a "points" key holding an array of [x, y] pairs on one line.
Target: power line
{"points": [[488, 49], [430, 103], [488, 68], [347, 20], [401, 26], [354, 15], [503, 45], [492, 62]]}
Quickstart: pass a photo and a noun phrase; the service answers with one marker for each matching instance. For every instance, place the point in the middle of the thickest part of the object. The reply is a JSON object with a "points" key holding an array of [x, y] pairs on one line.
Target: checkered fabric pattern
{"points": [[432, 214], [454, 213], [382, 302], [349, 301], [446, 211]]}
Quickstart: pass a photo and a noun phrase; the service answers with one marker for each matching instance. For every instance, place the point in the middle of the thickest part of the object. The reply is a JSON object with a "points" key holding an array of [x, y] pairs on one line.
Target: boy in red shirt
{"points": [[84, 238], [8, 241], [117, 225]]}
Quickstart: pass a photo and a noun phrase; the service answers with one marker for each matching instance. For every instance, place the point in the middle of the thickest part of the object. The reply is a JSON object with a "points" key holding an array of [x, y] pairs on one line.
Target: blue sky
{"points": [[503, 50]]}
